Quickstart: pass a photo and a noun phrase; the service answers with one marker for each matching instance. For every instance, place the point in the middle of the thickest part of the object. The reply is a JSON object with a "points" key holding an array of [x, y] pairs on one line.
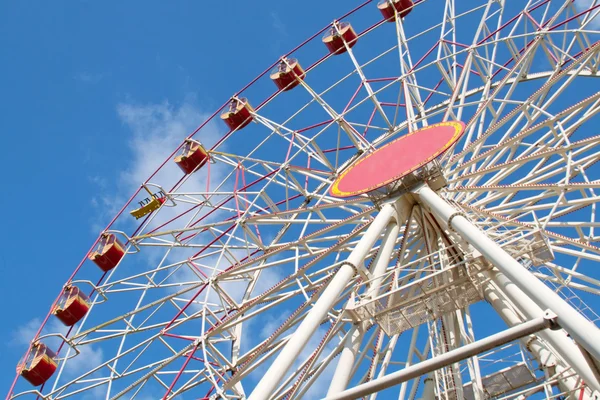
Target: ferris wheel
{"points": [[403, 206]]}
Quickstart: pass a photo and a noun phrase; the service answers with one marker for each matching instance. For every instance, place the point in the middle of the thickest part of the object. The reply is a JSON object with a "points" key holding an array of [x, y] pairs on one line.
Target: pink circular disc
{"points": [[397, 159]]}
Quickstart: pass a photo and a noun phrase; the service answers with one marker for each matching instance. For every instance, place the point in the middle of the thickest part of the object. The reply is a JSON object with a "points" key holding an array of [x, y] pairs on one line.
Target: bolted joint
{"points": [[360, 270], [551, 320], [529, 341], [456, 214]]}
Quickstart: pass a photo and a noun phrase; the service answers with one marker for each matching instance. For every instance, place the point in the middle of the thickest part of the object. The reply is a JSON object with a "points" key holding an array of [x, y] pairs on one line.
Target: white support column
{"points": [[341, 376], [386, 360], [411, 353], [583, 331], [428, 387], [267, 385], [563, 345], [445, 359], [345, 364], [382, 260], [558, 339]]}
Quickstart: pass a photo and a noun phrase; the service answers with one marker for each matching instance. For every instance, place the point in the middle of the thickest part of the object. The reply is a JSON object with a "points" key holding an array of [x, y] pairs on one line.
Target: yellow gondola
{"points": [[149, 205]]}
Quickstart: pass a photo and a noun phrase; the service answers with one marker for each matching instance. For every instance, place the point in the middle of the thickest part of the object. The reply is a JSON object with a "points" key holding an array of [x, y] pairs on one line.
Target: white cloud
{"points": [[281, 32], [156, 130], [277, 24], [88, 358], [270, 323], [24, 334], [582, 5]]}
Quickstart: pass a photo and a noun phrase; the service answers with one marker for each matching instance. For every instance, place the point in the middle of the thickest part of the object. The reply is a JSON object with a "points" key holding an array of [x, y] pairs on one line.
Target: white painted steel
{"points": [[582, 330], [538, 344], [452, 356], [345, 363], [341, 376], [328, 298]]}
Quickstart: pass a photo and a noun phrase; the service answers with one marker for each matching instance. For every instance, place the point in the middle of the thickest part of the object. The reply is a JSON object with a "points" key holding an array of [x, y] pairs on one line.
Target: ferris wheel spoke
{"points": [[449, 57], [365, 83], [580, 64], [288, 279], [242, 199], [543, 156], [310, 368], [408, 85], [508, 204], [356, 218], [269, 343], [518, 139], [557, 279], [304, 144], [355, 138]]}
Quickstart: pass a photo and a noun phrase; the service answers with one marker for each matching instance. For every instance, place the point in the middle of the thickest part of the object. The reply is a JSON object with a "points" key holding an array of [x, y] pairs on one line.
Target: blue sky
{"points": [[77, 79]]}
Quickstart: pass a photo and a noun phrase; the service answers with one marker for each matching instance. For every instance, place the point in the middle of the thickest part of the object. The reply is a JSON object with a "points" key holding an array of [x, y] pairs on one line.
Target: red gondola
{"points": [[192, 156], [339, 33], [287, 74], [71, 306], [239, 114], [386, 7], [39, 365], [108, 253]]}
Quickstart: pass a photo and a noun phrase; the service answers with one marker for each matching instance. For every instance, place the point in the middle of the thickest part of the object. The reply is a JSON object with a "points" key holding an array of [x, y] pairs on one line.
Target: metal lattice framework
{"points": [[234, 273]]}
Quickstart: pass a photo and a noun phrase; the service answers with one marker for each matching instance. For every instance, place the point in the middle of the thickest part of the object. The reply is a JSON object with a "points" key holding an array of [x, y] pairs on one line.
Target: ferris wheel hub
{"points": [[398, 159]]}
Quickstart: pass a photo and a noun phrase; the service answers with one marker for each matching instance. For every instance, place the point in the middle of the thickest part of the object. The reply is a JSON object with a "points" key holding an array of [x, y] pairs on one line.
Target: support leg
{"points": [[265, 388], [583, 331], [537, 347], [446, 359], [429, 387], [341, 377]]}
